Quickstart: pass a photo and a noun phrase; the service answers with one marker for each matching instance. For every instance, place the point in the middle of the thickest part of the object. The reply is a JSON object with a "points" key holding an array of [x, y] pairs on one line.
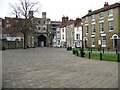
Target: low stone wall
{"points": [[12, 44]]}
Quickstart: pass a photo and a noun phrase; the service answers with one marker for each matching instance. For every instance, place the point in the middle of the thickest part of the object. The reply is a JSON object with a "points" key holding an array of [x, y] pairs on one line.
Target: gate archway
{"points": [[42, 41]]}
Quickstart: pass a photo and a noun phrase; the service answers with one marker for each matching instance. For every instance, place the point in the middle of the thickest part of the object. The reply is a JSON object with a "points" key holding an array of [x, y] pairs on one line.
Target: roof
{"points": [[105, 8]]}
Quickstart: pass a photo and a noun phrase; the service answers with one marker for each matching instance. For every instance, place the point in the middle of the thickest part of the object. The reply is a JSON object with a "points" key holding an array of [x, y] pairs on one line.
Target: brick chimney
{"points": [[106, 4], [89, 11], [64, 20]]}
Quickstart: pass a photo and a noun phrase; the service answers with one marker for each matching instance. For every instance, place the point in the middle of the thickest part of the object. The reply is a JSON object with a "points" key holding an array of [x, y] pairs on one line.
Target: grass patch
{"points": [[76, 49], [105, 56]]}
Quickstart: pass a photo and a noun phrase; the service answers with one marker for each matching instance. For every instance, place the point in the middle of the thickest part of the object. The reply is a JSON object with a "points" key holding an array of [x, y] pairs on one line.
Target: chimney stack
{"points": [[89, 11], [106, 4], [64, 20]]}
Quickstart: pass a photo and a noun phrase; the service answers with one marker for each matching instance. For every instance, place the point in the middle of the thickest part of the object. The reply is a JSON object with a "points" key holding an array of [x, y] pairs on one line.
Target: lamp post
{"points": [[82, 49]]}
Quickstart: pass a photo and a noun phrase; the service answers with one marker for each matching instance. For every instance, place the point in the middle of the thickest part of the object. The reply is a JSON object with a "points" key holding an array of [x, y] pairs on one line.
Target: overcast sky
{"points": [[57, 8]]}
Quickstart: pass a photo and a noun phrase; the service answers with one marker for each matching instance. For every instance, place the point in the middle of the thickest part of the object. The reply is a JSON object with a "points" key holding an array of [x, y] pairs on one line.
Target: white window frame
{"points": [[86, 19], [93, 41], [101, 15], [63, 30], [77, 36], [103, 44], [110, 12], [93, 29], [87, 29], [110, 25], [101, 27]]}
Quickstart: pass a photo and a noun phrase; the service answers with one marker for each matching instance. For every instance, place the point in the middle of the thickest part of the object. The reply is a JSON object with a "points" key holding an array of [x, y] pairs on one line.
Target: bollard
{"points": [[89, 55], [116, 51], [118, 57], [100, 56], [77, 53]]}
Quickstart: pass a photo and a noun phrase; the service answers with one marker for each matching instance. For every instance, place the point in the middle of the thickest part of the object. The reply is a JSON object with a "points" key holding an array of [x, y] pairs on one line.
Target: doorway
{"points": [[41, 41]]}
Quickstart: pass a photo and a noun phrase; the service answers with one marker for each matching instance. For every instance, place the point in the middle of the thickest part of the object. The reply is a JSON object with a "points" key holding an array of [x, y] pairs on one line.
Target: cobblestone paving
{"points": [[55, 68]]}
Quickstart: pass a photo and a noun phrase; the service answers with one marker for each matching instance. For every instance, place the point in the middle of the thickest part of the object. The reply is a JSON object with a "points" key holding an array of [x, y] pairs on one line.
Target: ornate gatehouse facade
{"points": [[45, 31]]}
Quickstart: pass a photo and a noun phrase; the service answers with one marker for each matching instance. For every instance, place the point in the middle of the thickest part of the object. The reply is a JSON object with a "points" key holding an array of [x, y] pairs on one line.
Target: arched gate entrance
{"points": [[41, 41]]}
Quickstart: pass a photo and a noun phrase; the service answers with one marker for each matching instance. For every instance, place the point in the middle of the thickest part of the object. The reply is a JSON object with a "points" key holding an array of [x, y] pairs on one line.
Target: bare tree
{"points": [[23, 17]]}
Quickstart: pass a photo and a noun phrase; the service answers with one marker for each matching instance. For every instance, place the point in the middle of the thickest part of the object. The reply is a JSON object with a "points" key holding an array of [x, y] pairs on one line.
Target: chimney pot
{"points": [[106, 4]]}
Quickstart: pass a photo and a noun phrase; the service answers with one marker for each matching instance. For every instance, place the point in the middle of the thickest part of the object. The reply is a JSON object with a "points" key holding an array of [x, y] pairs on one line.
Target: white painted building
{"points": [[58, 37], [63, 36], [78, 36]]}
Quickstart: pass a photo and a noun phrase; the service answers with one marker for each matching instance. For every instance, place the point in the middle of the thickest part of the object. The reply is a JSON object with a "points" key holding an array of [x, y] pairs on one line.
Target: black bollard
{"points": [[100, 56], [118, 57], [89, 55], [116, 51], [77, 53]]}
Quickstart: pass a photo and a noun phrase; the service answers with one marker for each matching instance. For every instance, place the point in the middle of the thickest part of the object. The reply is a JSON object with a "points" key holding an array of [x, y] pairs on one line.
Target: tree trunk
{"points": [[25, 41]]}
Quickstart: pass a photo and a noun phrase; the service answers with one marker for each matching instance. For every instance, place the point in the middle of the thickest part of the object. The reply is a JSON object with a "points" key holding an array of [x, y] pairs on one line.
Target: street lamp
{"points": [[82, 49]]}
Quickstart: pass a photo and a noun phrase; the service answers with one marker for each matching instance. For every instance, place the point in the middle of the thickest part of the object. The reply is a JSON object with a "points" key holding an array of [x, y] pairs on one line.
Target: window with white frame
{"points": [[103, 40], [77, 29], [62, 30], [102, 27], [93, 17], [101, 15], [63, 36], [110, 12], [110, 25], [86, 19], [93, 28], [78, 36], [86, 29], [93, 41]]}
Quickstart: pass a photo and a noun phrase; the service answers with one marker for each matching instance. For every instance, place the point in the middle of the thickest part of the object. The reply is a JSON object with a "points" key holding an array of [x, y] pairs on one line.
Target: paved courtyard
{"points": [[55, 68]]}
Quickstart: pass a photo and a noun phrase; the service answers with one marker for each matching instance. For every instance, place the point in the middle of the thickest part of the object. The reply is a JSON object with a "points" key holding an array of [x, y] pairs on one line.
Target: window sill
{"points": [[110, 30], [102, 32], [93, 33], [103, 45], [93, 45], [101, 18]]}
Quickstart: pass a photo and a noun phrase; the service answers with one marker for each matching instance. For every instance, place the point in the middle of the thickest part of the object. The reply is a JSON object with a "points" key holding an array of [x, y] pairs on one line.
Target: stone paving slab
{"points": [[55, 68]]}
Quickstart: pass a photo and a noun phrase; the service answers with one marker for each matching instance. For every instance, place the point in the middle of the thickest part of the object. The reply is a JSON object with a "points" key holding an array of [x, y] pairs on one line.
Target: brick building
{"points": [[102, 27], [11, 36], [1, 27]]}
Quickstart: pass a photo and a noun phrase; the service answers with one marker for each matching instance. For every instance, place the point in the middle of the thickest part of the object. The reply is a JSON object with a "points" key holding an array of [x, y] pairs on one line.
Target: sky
{"points": [[56, 9]]}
